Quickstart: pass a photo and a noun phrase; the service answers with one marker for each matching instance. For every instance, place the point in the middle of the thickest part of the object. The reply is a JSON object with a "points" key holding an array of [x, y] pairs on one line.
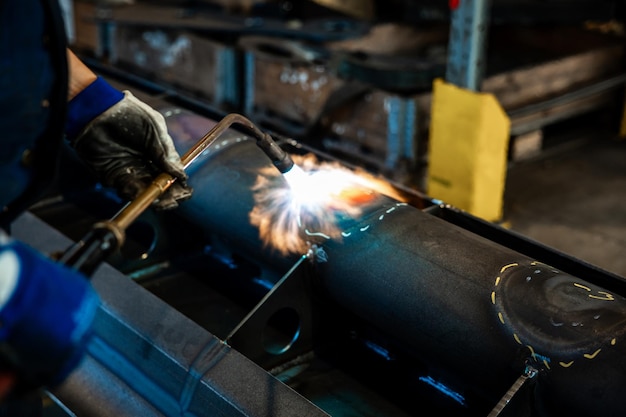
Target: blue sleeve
{"points": [[94, 100], [46, 311]]}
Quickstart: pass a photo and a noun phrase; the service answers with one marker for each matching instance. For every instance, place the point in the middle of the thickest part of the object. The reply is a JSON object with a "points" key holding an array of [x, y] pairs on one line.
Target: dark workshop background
{"points": [[556, 67]]}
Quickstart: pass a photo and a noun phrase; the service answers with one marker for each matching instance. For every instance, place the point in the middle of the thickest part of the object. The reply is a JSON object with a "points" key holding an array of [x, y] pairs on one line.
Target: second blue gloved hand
{"points": [[46, 315]]}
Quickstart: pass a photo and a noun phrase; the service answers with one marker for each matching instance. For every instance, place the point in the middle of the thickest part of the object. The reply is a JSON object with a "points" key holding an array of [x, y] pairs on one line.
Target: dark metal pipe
{"points": [[222, 178], [473, 309], [147, 359], [479, 311]]}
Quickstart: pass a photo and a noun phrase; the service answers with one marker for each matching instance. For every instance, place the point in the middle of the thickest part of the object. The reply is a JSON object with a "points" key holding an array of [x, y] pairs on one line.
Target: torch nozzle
{"points": [[281, 159], [296, 177]]}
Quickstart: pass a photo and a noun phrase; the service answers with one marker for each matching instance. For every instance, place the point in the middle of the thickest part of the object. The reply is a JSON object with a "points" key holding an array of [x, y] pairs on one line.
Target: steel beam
{"points": [[148, 359], [467, 44]]}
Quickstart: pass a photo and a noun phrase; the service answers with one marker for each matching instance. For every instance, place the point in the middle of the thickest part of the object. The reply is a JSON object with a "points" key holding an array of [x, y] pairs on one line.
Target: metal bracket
{"points": [[280, 326], [467, 45]]}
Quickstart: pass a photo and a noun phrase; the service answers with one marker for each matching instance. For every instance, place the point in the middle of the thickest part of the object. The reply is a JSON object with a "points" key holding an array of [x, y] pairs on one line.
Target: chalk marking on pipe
{"points": [[316, 234], [505, 267], [603, 296], [607, 297], [346, 234], [501, 317], [592, 355], [364, 228], [389, 210]]}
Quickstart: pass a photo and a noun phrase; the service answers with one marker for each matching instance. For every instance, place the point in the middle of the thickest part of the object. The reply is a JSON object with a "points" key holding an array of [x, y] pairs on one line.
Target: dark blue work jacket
{"points": [[33, 100]]}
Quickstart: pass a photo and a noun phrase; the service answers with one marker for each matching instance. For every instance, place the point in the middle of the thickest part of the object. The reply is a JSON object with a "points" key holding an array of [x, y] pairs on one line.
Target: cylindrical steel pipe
{"points": [[464, 304]]}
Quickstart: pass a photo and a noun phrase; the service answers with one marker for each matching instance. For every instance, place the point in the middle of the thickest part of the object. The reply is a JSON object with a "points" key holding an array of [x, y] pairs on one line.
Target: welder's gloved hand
{"points": [[47, 313], [125, 141]]}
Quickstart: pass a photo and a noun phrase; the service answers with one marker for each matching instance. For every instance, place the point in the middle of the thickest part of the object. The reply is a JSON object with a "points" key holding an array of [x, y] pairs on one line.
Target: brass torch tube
{"points": [[161, 183], [107, 236], [132, 210], [216, 132]]}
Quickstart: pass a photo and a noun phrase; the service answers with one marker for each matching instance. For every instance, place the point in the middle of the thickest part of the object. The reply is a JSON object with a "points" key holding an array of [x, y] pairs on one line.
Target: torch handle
{"points": [[105, 237]]}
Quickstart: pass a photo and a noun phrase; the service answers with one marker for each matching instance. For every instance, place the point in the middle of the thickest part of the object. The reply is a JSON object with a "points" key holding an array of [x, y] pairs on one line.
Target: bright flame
{"points": [[322, 187], [304, 206], [295, 176]]}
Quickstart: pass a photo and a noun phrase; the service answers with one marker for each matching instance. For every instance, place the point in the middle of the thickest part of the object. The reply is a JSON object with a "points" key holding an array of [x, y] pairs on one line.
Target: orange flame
{"points": [[293, 218]]}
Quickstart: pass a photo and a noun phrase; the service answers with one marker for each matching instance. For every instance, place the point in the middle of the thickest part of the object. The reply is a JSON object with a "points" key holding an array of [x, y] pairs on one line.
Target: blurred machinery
{"points": [[357, 82]]}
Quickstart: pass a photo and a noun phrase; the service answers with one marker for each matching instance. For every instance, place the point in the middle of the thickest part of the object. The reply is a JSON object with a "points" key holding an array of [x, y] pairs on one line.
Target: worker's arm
{"points": [[124, 140], [80, 76]]}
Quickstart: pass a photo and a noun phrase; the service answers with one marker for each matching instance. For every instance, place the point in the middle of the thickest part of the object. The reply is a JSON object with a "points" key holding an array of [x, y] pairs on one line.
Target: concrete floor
{"points": [[573, 199]]}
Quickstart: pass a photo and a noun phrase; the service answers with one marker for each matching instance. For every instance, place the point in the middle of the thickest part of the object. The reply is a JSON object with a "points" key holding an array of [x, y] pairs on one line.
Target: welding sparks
{"points": [[306, 205]]}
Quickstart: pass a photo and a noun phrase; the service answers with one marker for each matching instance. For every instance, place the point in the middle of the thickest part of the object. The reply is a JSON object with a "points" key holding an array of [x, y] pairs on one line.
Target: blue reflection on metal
{"points": [[443, 389], [263, 283], [223, 258], [108, 192], [379, 350], [541, 358]]}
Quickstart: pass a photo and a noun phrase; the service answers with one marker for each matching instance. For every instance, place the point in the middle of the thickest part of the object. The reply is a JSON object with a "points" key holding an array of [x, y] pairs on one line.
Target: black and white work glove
{"points": [[125, 142]]}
